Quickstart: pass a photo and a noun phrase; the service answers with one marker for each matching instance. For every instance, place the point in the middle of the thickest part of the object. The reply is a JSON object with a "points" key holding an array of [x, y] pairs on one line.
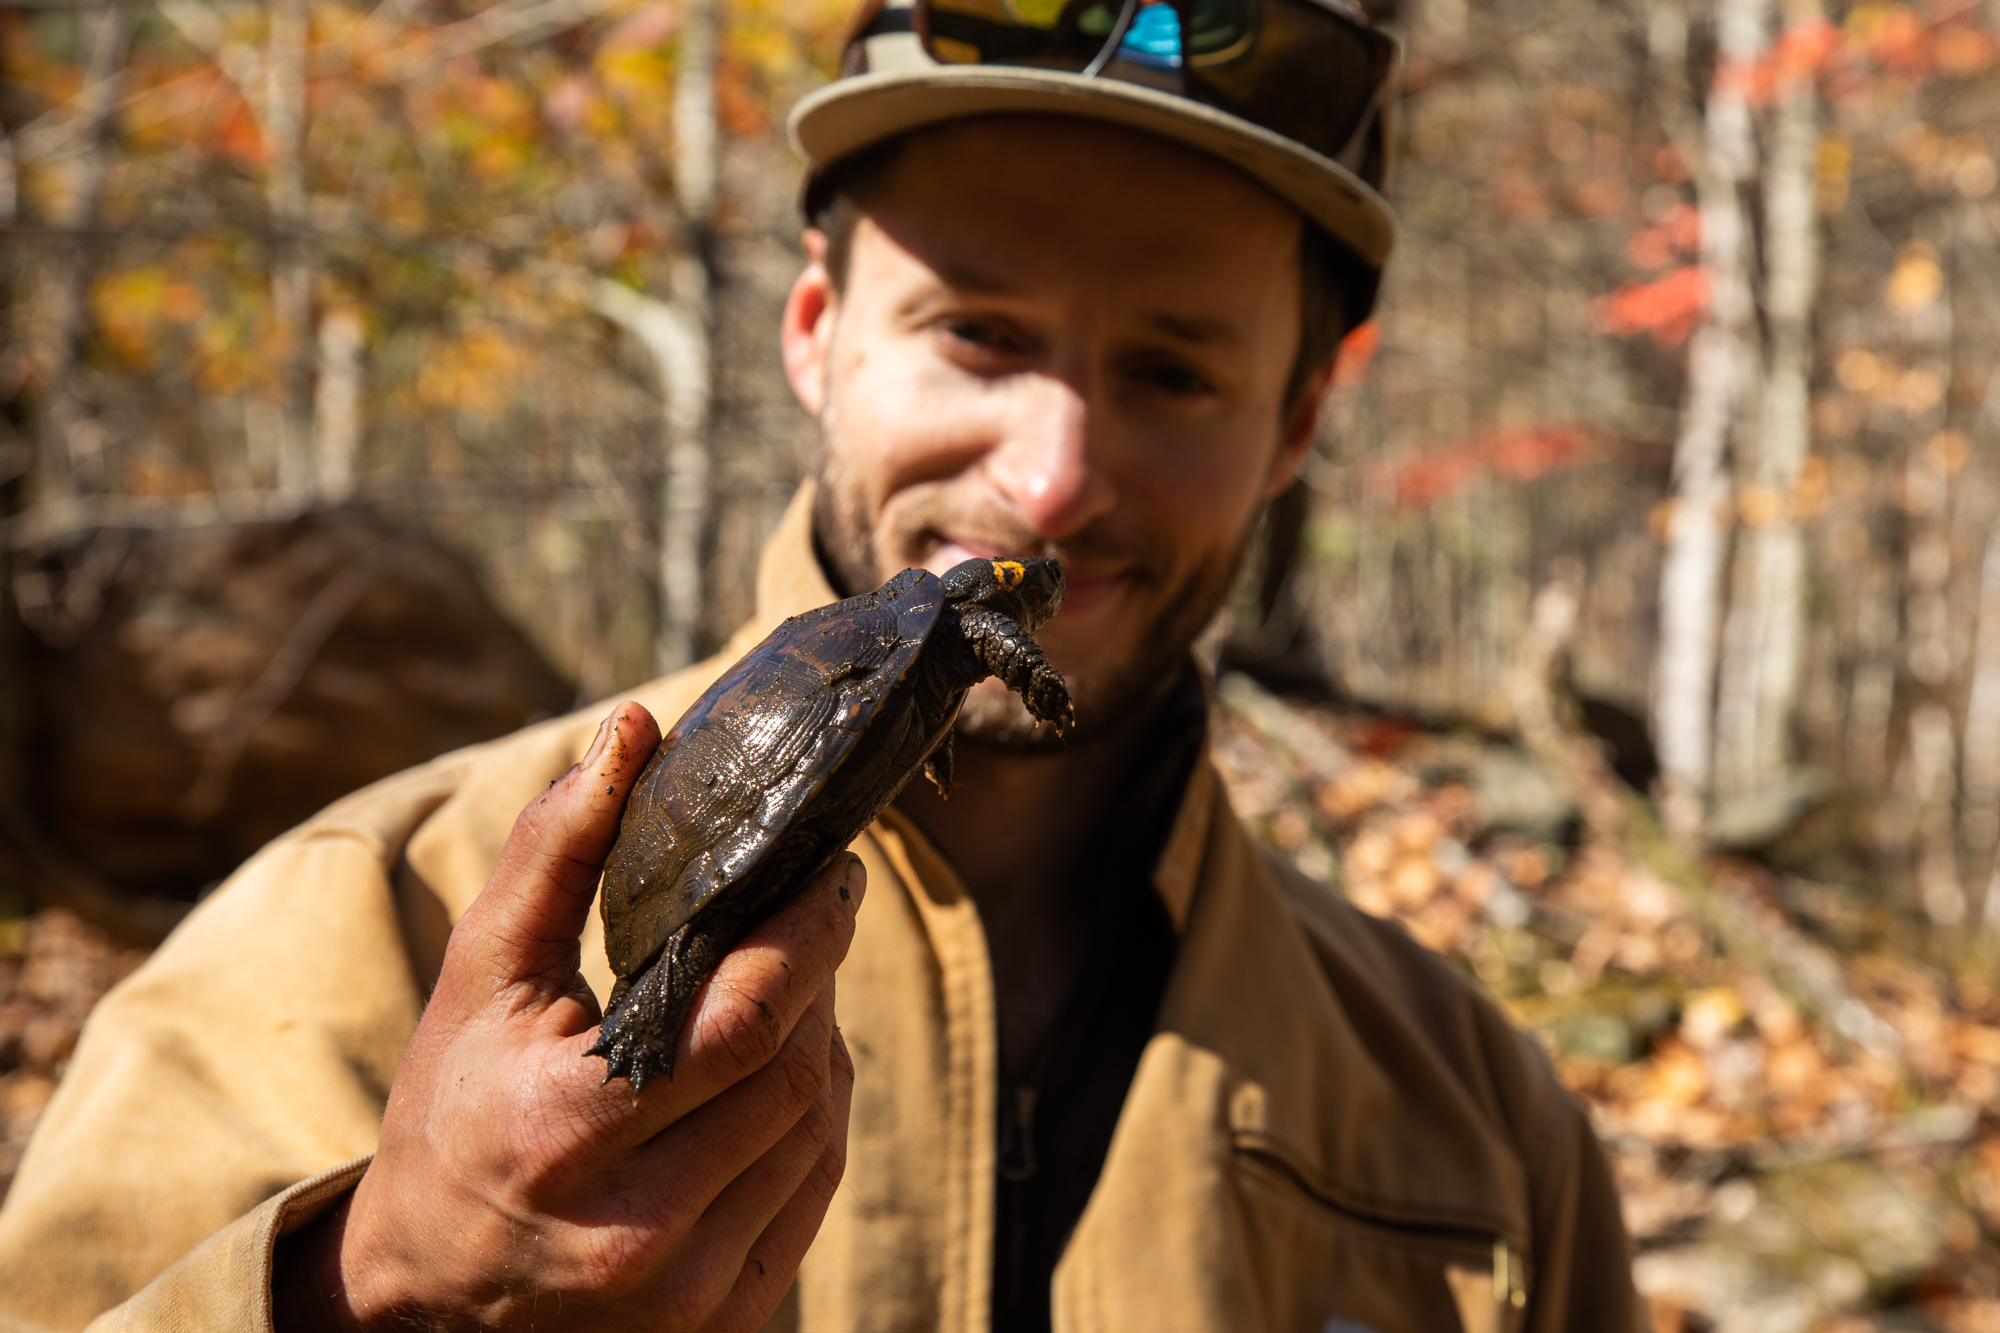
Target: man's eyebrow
{"points": [[969, 276], [1183, 328]]}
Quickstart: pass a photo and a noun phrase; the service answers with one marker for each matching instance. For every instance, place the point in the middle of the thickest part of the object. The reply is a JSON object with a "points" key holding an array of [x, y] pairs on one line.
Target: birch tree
{"points": [[684, 506], [1762, 640], [284, 116], [676, 334], [273, 84], [83, 143], [1721, 378], [1980, 817]]}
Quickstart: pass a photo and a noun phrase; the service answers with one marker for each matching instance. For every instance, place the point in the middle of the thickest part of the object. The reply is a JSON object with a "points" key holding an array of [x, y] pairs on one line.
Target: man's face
{"points": [[1056, 338]]}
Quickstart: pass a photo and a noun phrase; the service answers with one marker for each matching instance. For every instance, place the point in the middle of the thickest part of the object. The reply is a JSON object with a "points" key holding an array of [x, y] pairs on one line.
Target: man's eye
{"points": [[1172, 378], [978, 333]]}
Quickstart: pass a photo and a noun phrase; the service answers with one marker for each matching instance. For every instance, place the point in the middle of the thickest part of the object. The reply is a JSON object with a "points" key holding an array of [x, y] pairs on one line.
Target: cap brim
{"points": [[852, 113]]}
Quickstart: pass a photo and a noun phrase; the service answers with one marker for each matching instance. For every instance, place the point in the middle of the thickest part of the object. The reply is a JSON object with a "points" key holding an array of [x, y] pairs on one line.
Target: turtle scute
{"points": [[784, 760]]}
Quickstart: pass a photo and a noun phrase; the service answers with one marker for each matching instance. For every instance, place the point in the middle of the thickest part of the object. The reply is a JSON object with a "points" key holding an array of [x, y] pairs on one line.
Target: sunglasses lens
{"points": [[1097, 20], [1211, 28], [1298, 70], [1048, 33], [1295, 67]]}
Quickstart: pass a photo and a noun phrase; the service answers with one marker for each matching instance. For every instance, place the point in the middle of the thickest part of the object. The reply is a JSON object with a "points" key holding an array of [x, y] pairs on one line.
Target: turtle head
{"points": [[1029, 591]]}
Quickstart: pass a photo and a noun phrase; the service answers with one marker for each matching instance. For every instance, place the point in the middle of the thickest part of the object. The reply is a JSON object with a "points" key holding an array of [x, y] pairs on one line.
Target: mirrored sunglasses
{"points": [[1312, 71]]}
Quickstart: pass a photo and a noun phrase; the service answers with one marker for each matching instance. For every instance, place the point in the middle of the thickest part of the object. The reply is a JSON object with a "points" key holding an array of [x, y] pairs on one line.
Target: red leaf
{"points": [[1444, 471], [1667, 307]]}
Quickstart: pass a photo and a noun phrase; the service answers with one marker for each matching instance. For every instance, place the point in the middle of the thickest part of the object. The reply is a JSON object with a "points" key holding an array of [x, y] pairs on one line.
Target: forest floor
{"points": [[1799, 1109]]}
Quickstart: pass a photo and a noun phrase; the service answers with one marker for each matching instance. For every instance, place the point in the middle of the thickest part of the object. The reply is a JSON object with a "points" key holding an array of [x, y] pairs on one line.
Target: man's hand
{"points": [[510, 1189]]}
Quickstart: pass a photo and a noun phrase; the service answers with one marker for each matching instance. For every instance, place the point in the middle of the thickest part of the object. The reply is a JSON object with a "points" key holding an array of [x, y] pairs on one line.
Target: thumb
{"points": [[524, 925]]}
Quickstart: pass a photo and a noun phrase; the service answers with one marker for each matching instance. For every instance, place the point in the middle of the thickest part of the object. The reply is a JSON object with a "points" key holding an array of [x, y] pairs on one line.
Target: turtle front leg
{"points": [[645, 1014], [1007, 650]]}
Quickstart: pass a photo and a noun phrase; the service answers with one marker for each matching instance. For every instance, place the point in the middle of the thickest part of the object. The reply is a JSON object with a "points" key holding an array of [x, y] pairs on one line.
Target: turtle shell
{"points": [[736, 798]]}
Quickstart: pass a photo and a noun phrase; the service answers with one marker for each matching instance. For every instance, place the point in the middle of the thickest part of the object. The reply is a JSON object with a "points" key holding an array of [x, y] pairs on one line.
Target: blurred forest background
{"points": [[379, 377]]}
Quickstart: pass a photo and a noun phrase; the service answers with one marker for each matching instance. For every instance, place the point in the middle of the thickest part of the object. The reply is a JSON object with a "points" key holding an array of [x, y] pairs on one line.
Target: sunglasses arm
{"points": [[1110, 48]]}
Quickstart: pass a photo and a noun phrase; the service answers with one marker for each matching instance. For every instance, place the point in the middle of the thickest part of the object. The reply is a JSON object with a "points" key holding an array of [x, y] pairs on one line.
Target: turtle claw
{"points": [[937, 767], [1047, 698]]}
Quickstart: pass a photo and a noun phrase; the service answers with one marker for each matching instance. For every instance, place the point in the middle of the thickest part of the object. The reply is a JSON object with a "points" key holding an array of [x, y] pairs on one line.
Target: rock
{"points": [[1737, 1294], [1797, 1246], [196, 692], [1520, 794], [1757, 820]]}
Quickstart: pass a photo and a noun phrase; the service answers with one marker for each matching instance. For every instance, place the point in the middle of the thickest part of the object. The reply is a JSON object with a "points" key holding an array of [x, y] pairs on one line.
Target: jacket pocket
{"points": [[1328, 1267]]}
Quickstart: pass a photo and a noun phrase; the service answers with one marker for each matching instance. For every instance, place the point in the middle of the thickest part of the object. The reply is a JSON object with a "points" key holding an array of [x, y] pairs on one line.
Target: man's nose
{"points": [[1048, 467]]}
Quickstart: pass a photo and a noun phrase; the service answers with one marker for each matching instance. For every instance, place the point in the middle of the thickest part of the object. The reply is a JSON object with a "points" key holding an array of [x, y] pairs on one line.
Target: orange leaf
{"points": [[1357, 353], [1667, 307]]}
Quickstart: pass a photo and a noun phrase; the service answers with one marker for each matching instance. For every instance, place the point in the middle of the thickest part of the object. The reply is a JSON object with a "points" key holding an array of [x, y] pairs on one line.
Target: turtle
{"points": [[785, 760]]}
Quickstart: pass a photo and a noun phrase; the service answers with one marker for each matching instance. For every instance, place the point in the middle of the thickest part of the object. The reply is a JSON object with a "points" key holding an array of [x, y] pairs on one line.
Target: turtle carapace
{"points": [[785, 760]]}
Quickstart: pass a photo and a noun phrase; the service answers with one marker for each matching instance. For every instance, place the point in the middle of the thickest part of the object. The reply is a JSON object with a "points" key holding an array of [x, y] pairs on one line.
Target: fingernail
{"points": [[598, 742], [856, 887]]}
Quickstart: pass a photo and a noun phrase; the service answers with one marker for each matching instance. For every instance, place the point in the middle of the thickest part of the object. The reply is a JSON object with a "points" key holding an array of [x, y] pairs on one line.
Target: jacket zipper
{"points": [[1017, 1132], [1510, 1279], [1510, 1283]]}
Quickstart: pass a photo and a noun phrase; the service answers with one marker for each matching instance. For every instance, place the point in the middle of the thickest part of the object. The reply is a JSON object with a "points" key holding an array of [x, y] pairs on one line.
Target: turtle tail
{"points": [[643, 1019]]}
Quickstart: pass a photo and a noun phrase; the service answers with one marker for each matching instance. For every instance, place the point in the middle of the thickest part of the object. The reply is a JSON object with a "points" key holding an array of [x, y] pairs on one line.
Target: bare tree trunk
{"points": [[1930, 762], [1979, 819], [1931, 636], [1531, 684], [1759, 683], [1871, 692], [291, 269], [676, 334], [1931, 780], [1721, 365], [16, 460], [688, 383], [336, 416], [69, 440]]}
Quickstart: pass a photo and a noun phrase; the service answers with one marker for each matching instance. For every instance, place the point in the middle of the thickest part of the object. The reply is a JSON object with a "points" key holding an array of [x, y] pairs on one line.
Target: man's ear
{"points": [[807, 328], [1300, 427]]}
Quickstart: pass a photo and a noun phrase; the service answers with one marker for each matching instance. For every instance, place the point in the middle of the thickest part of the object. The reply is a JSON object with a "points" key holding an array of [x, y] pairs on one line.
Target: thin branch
{"points": [[511, 20], [205, 31], [514, 20], [53, 523]]}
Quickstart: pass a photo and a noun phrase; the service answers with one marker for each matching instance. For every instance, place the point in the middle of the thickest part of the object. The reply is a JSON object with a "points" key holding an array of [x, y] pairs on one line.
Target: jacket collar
{"points": [[790, 578], [1289, 992], [1267, 977], [1262, 982]]}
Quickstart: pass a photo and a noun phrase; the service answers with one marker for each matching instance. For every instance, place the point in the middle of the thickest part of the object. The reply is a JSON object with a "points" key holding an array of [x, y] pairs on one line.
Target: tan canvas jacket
{"points": [[1330, 1131]]}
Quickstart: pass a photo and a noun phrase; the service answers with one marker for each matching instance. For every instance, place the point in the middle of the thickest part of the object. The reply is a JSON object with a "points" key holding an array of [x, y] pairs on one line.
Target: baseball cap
{"points": [[1291, 92]]}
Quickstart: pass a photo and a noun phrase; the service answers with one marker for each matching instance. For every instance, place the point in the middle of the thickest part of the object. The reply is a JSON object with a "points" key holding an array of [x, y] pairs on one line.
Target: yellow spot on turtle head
{"points": [[1010, 573]]}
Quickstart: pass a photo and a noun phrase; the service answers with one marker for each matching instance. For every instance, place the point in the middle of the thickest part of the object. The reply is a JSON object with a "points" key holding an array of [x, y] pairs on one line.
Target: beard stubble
{"points": [[851, 544]]}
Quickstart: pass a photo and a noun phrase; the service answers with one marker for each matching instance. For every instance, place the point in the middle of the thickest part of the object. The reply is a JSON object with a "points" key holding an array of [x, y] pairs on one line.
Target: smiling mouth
{"points": [[1087, 585]]}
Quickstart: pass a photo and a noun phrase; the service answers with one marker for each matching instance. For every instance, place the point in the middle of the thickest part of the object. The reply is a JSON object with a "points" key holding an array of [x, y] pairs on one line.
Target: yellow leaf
{"points": [[1917, 280]]}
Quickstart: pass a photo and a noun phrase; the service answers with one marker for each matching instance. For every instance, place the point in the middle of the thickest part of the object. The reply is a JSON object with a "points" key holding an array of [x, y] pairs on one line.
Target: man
{"points": [[1100, 1063]]}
